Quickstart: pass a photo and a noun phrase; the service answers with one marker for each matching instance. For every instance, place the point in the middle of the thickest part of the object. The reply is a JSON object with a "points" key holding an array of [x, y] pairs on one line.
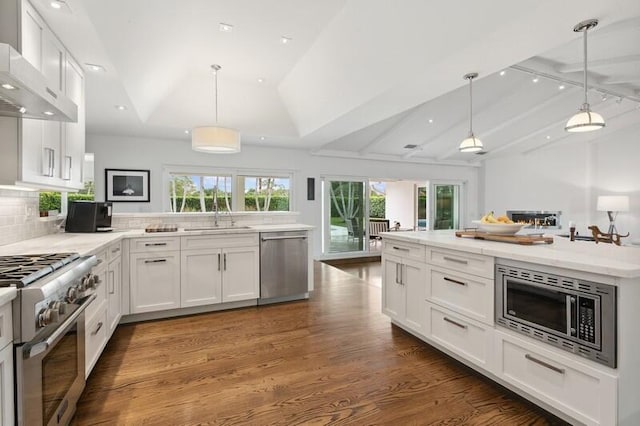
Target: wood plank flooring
{"points": [[334, 359]]}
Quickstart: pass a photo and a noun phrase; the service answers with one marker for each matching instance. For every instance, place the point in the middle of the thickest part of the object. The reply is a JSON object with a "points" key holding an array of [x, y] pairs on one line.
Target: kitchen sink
{"points": [[218, 228]]}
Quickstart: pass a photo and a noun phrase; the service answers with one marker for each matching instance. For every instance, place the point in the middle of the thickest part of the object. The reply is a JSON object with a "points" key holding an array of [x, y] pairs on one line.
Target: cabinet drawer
{"points": [[585, 393], [6, 325], [219, 241], [465, 294], [467, 338], [114, 251], [148, 245], [95, 334], [469, 263], [404, 249]]}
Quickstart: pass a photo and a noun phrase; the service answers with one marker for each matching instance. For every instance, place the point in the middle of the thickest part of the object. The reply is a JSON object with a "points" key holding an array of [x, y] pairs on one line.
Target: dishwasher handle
{"points": [[285, 237]]}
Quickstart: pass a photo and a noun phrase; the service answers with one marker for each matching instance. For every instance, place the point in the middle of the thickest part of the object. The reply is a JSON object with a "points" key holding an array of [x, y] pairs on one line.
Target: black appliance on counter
{"points": [[88, 216]]}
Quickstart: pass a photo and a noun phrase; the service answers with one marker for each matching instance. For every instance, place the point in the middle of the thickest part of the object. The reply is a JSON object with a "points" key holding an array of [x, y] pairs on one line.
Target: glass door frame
{"points": [[431, 200]]}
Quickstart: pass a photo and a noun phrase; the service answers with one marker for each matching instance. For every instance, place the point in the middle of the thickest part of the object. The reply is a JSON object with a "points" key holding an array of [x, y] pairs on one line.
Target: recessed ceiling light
{"points": [[186, 132], [535, 79], [503, 72], [261, 80], [56, 4], [285, 40], [561, 87], [8, 86], [548, 137], [604, 97], [94, 67], [22, 110], [430, 120], [49, 113], [226, 28], [262, 138], [121, 107]]}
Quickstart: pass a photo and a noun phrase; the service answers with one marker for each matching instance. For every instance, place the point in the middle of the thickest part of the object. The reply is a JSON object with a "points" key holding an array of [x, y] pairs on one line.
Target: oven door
{"points": [[50, 374], [542, 307]]}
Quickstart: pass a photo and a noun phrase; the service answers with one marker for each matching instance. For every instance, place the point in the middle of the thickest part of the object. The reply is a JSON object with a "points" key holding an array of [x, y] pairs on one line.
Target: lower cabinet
{"points": [[403, 295], [585, 393], [114, 291], [155, 281], [95, 337]]}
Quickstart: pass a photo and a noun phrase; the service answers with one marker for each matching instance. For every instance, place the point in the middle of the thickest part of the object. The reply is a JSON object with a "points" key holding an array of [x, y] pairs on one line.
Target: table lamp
{"points": [[612, 204]]}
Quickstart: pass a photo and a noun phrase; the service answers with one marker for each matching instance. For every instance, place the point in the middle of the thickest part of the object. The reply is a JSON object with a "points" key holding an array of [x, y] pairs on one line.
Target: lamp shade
{"points": [[613, 203], [471, 144], [585, 121], [214, 139]]}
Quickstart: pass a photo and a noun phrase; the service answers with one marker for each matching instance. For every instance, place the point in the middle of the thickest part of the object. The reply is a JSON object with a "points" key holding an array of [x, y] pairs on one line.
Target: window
{"points": [[264, 193], [200, 192], [198, 189]]}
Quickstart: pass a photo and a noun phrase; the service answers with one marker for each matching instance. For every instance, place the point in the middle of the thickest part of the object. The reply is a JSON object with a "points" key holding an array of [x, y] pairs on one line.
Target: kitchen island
{"points": [[442, 289]]}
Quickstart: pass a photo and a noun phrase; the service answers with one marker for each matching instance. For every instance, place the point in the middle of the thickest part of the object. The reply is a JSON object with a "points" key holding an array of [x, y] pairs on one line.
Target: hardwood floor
{"points": [[334, 359]]}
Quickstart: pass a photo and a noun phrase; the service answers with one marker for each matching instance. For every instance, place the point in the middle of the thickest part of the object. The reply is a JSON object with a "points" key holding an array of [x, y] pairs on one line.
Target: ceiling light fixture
{"points": [[285, 40], [215, 139], [56, 4], [8, 86], [49, 113], [430, 120], [561, 87], [503, 72], [121, 107], [226, 28], [585, 120], [535, 79], [261, 80], [94, 67], [471, 143]]}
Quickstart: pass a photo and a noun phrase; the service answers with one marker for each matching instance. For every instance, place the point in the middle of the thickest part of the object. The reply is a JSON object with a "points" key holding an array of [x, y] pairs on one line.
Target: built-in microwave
{"points": [[575, 315]]}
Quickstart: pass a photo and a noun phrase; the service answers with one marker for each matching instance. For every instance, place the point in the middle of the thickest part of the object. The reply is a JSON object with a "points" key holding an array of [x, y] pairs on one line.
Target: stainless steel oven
{"points": [[575, 315], [48, 317]]}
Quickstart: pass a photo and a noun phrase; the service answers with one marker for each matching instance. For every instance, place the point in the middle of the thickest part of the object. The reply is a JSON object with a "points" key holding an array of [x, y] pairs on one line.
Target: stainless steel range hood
{"points": [[24, 91]]}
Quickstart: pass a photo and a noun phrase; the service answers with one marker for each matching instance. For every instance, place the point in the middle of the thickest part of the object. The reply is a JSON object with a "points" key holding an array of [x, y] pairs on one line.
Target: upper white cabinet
{"points": [[45, 154]]}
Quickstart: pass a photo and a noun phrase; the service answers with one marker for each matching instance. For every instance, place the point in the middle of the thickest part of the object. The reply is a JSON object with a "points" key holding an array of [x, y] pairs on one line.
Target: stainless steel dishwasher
{"points": [[284, 266]]}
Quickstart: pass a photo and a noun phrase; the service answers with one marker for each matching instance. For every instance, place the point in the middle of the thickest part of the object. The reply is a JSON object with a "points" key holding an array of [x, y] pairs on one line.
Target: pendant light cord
{"points": [[216, 94], [470, 106], [586, 101]]}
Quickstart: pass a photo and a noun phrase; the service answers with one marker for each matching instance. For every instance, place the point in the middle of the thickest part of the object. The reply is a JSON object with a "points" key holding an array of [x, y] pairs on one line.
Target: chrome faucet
{"points": [[215, 212]]}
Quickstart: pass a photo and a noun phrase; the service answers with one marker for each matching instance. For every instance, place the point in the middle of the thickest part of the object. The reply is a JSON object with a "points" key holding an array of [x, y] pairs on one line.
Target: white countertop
{"points": [[585, 256], [7, 294], [87, 243]]}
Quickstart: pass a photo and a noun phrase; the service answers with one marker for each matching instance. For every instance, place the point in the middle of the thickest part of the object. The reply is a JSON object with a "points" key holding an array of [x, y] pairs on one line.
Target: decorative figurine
{"points": [[601, 237]]}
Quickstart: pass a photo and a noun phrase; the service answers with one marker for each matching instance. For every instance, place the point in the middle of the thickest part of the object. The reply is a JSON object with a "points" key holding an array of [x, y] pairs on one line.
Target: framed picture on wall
{"points": [[127, 185]]}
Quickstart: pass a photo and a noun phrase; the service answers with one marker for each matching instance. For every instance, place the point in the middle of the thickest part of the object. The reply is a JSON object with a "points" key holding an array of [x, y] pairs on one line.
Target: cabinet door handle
{"points": [[544, 364], [112, 282], [218, 261], [225, 261], [154, 244], [401, 248], [457, 324], [155, 261], [52, 169], [451, 280], [453, 259], [46, 162], [115, 250], [94, 332], [67, 167], [397, 273]]}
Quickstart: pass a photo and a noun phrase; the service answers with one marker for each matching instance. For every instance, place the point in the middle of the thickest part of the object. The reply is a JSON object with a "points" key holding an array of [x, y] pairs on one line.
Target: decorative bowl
{"points": [[499, 228]]}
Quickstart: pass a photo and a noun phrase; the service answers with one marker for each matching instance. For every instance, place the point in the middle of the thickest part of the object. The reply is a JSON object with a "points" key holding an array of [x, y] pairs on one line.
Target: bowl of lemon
{"points": [[500, 225]]}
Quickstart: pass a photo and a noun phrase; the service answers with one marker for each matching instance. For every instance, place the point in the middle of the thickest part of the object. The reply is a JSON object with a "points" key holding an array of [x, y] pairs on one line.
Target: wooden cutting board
{"points": [[513, 239], [161, 228]]}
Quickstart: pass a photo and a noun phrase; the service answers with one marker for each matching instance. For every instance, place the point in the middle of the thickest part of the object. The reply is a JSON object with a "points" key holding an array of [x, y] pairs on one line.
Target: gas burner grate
{"points": [[21, 270]]}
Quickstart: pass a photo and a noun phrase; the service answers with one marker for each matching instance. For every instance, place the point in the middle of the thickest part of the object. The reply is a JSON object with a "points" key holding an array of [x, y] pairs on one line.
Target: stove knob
{"points": [[46, 317], [72, 295], [92, 281]]}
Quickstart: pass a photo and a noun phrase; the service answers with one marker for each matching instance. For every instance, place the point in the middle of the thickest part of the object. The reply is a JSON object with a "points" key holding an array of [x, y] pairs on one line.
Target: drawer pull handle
{"points": [[451, 280], [453, 259], [154, 244], [155, 261], [115, 250], [94, 332], [457, 324], [545, 364], [401, 248]]}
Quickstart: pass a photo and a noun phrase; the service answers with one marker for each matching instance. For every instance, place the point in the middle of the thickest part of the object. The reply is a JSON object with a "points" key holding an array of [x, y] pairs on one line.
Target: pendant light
{"points": [[215, 139], [471, 143], [585, 120]]}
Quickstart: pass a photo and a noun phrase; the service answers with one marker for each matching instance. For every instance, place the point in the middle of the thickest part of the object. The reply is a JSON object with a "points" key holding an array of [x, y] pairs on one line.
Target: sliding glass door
{"points": [[345, 211], [445, 206]]}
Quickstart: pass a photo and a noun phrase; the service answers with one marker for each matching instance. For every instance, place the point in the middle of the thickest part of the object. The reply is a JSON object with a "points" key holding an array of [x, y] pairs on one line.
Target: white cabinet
{"points": [[586, 393], [154, 274], [6, 366], [73, 134], [403, 290], [114, 287], [95, 338], [217, 269]]}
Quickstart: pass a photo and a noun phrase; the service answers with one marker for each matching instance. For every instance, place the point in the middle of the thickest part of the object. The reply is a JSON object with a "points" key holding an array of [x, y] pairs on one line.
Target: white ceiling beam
{"points": [[579, 66], [621, 80], [388, 158], [516, 118], [374, 142]]}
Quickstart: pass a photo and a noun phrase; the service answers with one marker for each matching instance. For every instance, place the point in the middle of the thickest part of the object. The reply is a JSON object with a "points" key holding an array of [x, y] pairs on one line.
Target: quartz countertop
{"points": [[585, 256], [87, 243], [7, 294]]}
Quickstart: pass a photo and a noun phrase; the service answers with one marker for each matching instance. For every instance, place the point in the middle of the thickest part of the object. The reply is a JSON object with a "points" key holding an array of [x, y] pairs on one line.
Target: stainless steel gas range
{"points": [[48, 331]]}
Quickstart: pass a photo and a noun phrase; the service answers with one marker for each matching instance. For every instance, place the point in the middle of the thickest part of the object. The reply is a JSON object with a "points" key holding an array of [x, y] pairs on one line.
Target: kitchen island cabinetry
{"points": [[219, 269], [155, 274]]}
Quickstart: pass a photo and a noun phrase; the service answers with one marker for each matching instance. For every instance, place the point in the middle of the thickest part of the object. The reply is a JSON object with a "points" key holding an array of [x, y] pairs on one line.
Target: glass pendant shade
{"points": [[585, 121], [471, 144], [214, 139]]}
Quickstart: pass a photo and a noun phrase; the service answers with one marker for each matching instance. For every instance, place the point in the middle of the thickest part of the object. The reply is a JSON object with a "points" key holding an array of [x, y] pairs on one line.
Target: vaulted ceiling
{"points": [[358, 78]]}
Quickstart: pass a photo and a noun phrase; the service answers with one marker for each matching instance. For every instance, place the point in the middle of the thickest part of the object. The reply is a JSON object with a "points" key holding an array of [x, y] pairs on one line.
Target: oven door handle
{"points": [[40, 347]]}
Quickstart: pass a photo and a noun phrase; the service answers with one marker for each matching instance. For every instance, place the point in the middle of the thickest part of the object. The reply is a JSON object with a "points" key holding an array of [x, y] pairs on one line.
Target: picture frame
{"points": [[124, 185]]}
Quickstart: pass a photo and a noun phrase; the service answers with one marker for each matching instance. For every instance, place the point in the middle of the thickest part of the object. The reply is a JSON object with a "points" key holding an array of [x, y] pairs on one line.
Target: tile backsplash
{"points": [[201, 220], [20, 219]]}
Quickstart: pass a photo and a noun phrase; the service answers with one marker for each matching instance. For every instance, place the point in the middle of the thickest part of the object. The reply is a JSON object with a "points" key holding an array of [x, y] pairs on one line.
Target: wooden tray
{"points": [[161, 228], [513, 239]]}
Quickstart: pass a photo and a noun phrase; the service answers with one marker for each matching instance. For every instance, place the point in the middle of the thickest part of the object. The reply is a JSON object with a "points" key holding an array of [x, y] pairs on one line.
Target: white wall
{"points": [[137, 153], [400, 203], [569, 177]]}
